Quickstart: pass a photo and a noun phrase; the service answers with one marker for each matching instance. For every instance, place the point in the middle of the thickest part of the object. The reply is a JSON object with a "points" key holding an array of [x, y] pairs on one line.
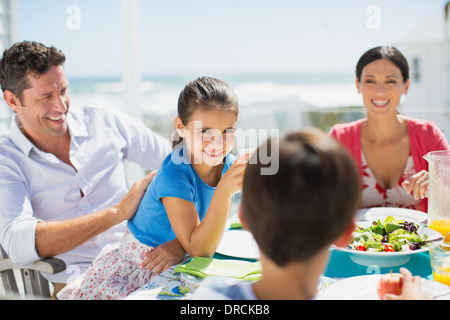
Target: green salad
{"points": [[391, 235]]}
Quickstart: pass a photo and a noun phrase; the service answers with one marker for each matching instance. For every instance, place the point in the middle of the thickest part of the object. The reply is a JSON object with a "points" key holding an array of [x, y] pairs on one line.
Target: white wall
{"points": [[430, 91]]}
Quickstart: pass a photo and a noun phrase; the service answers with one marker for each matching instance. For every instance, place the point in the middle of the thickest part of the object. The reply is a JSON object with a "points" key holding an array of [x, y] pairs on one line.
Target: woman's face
{"points": [[209, 136], [382, 86]]}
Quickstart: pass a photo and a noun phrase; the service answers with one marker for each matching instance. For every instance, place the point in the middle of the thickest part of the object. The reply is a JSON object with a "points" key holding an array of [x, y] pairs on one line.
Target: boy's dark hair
{"points": [[24, 58], [308, 203]]}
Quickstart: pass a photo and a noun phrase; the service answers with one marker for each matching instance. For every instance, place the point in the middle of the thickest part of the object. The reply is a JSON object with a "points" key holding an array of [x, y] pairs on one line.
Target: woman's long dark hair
{"points": [[383, 52]]}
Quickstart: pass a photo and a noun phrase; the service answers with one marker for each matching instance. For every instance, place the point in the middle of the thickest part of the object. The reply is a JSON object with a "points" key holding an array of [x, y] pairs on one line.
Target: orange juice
{"points": [[442, 278], [441, 226]]}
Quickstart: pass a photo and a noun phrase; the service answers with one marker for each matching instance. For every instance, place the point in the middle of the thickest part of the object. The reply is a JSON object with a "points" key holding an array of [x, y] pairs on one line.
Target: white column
{"points": [[8, 24], [131, 73], [131, 77], [13, 21], [9, 29]]}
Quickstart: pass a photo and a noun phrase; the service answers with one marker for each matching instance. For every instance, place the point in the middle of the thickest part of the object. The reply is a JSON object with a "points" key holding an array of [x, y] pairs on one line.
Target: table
{"points": [[340, 266], [170, 285], [167, 286]]}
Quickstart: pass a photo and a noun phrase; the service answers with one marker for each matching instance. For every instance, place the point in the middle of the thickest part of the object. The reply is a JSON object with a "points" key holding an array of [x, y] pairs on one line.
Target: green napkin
{"points": [[235, 223], [204, 267]]}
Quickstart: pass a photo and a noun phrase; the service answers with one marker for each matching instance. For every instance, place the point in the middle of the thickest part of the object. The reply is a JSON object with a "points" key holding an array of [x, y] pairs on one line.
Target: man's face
{"points": [[44, 106]]}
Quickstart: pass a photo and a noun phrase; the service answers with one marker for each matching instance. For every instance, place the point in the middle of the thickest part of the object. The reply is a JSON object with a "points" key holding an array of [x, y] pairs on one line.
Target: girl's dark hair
{"points": [[24, 58], [308, 203], [205, 93], [383, 52]]}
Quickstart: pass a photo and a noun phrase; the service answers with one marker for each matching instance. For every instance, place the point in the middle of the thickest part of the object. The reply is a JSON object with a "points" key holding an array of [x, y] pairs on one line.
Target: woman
{"points": [[387, 146]]}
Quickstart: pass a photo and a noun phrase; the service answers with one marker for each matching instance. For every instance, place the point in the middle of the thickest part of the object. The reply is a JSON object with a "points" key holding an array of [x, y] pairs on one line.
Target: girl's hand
{"points": [[232, 180], [417, 185], [202, 238], [164, 256], [412, 288]]}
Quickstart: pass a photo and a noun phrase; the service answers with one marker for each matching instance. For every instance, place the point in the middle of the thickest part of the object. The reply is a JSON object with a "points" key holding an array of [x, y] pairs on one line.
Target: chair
{"points": [[33, 284]]}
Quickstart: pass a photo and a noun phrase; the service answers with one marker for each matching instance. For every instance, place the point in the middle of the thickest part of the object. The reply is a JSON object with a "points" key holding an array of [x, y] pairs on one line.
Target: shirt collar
{"points": [[76, 128], [18, 137]]}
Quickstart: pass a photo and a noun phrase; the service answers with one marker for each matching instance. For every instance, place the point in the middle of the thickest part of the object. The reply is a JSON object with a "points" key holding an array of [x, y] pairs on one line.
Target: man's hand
{"points": [[164, 256], [130, 203]]}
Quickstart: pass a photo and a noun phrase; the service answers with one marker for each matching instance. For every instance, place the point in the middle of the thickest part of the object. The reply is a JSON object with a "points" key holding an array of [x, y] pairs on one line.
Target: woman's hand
{"points": [[412, 288], [417, 185], [164, 256]]}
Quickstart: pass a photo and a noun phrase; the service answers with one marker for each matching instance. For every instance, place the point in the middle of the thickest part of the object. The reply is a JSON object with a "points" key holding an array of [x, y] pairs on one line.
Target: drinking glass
{"points": [[440, 261]]}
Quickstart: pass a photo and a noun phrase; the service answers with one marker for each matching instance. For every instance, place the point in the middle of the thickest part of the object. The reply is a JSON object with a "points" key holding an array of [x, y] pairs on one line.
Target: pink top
{"points": [[424, 136]]}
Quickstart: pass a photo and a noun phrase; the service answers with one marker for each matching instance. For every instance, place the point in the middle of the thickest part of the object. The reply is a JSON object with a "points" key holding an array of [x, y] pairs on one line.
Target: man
{"points": [[63, 190]]}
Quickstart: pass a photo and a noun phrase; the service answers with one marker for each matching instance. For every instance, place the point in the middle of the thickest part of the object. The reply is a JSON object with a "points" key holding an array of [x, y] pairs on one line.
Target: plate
{"points": [[194, 280], [373, 214], [191, 279], [387, 259], [354, 288], [365, 288], [239, 244]]}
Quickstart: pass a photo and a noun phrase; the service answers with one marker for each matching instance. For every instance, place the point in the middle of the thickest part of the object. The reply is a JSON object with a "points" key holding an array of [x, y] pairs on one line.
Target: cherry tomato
{"points": [[388, 248], [362, 247]]}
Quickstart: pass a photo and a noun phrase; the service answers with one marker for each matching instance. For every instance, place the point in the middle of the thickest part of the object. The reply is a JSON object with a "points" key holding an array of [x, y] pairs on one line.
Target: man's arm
{"points": [[56, 237], [144, 146]]}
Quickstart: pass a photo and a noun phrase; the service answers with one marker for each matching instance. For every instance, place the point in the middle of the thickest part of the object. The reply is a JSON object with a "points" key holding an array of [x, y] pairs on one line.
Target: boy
{"points": [[294, 216]]}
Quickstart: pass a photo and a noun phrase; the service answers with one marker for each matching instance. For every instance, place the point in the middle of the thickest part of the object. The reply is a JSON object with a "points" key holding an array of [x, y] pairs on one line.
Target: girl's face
{"points": [[382, 86], [209, 135]]}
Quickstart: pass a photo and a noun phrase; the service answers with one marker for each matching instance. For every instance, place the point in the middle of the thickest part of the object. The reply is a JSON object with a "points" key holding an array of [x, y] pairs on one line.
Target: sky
{"points": [[218, 37]]}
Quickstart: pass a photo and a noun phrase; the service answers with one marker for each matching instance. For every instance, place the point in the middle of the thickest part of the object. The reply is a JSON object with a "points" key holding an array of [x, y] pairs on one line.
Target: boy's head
{"points": [[308, 204]]}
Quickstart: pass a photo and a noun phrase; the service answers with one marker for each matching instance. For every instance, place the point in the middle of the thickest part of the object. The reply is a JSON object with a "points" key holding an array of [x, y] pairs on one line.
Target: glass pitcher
{"points": [[439, 191]]}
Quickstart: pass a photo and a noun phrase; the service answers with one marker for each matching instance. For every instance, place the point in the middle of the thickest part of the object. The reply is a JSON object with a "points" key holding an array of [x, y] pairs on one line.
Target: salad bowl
{"points": [[389, 259]]}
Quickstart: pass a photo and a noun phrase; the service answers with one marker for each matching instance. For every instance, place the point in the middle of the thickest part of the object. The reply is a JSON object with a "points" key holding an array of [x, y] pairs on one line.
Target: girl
{"points": [[186, 206]]}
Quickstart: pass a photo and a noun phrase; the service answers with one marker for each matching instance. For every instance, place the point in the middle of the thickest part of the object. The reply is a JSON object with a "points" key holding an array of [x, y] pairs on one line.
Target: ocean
{"points": [[159, 94], [267, 101]]}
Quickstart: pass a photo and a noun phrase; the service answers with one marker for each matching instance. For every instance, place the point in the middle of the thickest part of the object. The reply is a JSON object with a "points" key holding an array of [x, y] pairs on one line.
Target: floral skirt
{"points": [[113, 275]]}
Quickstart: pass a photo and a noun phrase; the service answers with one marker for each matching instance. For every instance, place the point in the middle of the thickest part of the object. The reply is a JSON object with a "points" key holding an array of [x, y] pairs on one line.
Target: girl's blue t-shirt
{"points": [[176, 178]]}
